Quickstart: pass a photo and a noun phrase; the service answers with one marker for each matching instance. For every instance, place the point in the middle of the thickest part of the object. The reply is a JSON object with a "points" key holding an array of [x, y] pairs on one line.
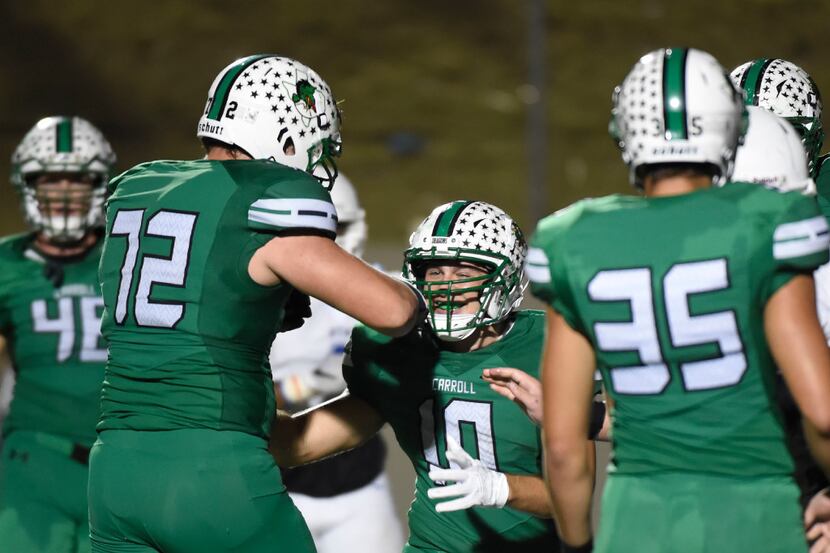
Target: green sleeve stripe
{"points": [[63, 136], [674, 93], [220, 95], [752, 79]]}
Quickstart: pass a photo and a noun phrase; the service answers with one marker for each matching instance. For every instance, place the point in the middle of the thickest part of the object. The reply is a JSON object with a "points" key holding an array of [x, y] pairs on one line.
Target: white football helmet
{"points": [[476, 232], [677, 105], [278, 109], [788, 91], [62, 145], [772, 154], [352, 230]]}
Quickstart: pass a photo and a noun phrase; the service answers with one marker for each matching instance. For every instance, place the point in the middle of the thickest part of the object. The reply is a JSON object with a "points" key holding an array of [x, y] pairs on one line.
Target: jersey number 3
{"points": [[154, 269], [640, 333]]}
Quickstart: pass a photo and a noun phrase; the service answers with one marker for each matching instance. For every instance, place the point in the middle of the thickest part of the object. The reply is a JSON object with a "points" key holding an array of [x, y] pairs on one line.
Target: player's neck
{"points": [[54, 250], [675, 186]]}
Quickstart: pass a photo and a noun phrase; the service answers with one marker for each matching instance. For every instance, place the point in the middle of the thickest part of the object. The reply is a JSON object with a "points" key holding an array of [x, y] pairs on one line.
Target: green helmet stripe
{"points": [[752, 79], [674, 93], [446, 222], [220, 95], [63, 135]]}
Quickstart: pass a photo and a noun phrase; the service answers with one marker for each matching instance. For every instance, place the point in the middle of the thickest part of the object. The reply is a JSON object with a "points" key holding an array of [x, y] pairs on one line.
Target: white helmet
{"points": [[772, 154], [278, 109], [788, 91], [62, 145], [352, 230], [476, 232], [677, 105]]}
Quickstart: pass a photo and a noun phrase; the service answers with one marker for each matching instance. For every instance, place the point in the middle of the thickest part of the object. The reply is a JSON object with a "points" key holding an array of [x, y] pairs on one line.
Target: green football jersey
{"points": [[671, 293], [54, 340], [426, 393], [187, 328]]}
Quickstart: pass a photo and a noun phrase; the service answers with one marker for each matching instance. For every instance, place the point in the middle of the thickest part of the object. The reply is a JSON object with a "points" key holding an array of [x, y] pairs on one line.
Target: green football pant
{"points": [[185, 491], [693, 513], [42, 496]]}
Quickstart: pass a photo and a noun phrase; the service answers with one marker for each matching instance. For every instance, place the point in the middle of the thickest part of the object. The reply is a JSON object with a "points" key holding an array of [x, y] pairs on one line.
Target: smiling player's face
{"points": [[444, 274]]}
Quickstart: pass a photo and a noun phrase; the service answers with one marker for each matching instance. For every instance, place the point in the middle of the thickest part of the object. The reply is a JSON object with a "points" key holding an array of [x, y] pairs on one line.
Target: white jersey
{"points": [[307, 362], [822, 278]]}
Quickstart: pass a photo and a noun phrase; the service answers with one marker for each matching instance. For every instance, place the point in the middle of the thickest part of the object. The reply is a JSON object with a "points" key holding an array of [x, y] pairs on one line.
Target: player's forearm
{"points": [[570, 479], [332, 427], [529, 494], [284, 445], [302, 438]]}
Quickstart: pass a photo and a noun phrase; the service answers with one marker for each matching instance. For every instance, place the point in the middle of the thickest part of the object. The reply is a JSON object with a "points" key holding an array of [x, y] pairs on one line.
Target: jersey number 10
{"points": [[456, 413]]}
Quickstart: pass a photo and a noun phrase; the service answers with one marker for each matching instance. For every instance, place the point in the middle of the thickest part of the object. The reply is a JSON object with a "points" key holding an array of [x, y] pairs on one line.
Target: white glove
{"points": [[475, 484]]}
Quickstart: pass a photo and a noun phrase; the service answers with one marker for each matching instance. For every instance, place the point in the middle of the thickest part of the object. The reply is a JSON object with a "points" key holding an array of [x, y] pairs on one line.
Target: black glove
{"points": [[297, 310]]}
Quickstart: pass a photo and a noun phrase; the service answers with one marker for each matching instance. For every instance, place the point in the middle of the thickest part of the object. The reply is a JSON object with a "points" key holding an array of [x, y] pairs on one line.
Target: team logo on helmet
{"points": [[305, 93]]}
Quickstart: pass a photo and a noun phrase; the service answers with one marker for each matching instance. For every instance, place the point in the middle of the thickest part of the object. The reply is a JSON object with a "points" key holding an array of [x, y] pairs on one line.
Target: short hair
{"points": [[210, 143], [660, 171]]}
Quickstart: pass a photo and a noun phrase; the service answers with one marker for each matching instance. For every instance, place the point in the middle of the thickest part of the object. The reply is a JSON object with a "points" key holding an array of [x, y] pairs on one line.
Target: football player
{"points": [[50, 309], [346, 499], [773, 155], [199, 260], [788, 91], [476, 455], [685, 299]]}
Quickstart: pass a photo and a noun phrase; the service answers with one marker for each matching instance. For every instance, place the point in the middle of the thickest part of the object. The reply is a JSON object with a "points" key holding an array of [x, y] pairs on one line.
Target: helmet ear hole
{"points": [[288, 148]]}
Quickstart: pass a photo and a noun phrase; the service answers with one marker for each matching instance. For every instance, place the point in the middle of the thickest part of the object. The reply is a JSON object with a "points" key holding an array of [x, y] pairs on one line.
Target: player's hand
{"points": [[471, 484], [817, 522], [297, 310], [519, 387]]}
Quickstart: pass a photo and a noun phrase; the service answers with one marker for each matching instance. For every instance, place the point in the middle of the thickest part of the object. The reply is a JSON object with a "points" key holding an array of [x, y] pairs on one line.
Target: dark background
{"points": [[435, 94]]}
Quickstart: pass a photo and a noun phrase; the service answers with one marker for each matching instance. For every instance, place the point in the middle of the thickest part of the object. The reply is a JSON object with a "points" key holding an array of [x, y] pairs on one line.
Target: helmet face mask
{"points": [[788, 91], [321, 161], [61, 169], [467, 233], [63, 207], [677, 106], [447, 299], [277, 109]]}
